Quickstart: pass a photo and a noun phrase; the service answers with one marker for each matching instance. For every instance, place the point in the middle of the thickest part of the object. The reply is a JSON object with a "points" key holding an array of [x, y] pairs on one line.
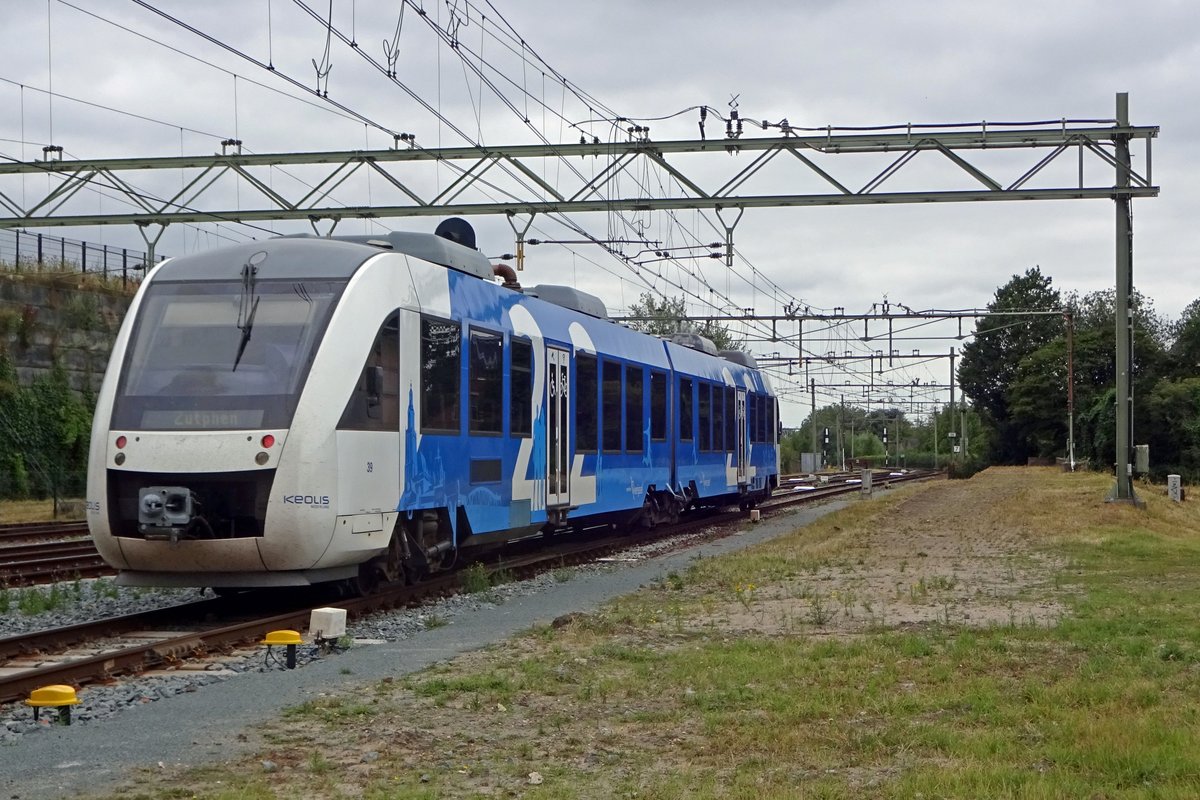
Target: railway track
{"points": [[45, 552], [101, 650], [30, 564], [12, 532]]}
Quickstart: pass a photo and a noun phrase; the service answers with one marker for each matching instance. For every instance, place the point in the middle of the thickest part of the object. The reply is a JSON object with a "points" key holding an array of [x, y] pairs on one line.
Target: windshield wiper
{"points": [[245, 334], [248, 300]]}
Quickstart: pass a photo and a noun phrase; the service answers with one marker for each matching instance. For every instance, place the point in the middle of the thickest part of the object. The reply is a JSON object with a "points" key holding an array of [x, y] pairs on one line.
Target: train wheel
{"points": [[365, 583]]}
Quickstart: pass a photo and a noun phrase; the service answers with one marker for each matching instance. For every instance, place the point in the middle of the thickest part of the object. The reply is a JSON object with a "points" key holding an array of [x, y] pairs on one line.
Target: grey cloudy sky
{"points": [[848, 63]]}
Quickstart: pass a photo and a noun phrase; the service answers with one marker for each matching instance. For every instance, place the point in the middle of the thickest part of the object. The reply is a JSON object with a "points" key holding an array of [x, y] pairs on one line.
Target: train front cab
{"points": [[200, 471]]}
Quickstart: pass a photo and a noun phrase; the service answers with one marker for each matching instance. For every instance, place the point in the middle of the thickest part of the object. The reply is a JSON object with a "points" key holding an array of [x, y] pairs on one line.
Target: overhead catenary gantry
{"points": [[502, 180], [910, 320], [892, 335], [516, 173]]}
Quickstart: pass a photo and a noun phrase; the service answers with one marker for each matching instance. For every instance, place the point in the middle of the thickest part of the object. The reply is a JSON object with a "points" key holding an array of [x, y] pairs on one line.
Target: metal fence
{"points": [[21, 247]]}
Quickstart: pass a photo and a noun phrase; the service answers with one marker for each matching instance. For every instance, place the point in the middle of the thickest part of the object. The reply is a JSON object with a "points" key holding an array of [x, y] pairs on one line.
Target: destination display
{"points": [[157, 419]]}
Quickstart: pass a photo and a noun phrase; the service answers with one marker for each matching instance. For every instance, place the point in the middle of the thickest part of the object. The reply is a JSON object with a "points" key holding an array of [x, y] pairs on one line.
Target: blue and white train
{"points": [[303, 409]]}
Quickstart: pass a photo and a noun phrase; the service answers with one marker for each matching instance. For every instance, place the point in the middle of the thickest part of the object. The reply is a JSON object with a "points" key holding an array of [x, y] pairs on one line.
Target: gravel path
{"points": [[184, 719]]}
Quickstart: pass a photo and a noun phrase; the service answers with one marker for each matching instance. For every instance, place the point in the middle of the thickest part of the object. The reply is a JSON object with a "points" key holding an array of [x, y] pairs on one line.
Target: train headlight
{"points": [[262, 458], [119, 459]]}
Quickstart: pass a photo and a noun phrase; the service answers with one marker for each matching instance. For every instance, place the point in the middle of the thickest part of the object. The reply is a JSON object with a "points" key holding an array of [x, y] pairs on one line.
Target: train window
{"points": [[730, 420], [441, 363], [658, 406], [634, 415], [610, 377], [686, 397], [485, 382], [520, 405], [752, 417], [586, 391], [763, 425], [374, 404], [772, 416], [705, 407], [179, 370], [718, 418]]}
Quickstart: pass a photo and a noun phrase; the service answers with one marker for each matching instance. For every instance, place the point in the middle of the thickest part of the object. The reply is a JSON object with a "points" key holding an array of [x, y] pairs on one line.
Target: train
{"points": [[303, 410]]}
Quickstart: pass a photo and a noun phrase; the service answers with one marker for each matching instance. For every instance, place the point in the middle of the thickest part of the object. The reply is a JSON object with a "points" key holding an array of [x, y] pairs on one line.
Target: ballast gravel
{"points": [[97, 702], [192, 716]]}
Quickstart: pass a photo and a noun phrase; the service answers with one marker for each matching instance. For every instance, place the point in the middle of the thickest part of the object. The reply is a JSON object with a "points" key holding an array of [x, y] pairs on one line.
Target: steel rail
{"points": [[150, 654], [49, 561], [17, 531]]}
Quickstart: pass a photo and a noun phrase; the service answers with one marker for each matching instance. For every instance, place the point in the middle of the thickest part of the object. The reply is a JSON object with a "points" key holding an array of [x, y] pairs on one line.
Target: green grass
{"points": [[29, 511], [334, 709], [475, 578], [644, 699], [34, 600]]}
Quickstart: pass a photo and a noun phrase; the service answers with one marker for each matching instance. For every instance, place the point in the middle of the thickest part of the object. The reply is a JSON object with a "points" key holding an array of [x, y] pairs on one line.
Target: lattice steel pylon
{"points": [[502, 180]]}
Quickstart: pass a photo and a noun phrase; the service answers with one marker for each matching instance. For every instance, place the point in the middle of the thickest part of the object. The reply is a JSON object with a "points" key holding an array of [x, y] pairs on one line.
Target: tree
{"points": [[991, 360], [1096, 312], [663, 316], [1172, 410], [1185, 349]]}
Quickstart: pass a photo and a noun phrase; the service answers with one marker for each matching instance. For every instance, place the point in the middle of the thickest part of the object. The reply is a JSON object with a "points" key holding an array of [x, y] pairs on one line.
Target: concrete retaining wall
{"points": [[57, 316]]}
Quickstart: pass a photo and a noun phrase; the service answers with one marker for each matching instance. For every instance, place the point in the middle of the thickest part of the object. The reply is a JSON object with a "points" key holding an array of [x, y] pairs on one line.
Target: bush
{"points": [[46, 430]]}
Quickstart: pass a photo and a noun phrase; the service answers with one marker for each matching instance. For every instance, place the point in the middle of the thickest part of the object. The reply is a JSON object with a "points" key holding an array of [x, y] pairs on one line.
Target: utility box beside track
{"points": [[1141, 459], [1175, 488]]}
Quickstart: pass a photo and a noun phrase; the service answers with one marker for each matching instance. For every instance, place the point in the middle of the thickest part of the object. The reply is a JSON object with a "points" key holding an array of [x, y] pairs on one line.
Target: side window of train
{"points": [[374, 404], [719, 418], [441, 368], [763, 422], [520, 405], [610, 377], [686, 394], [485, 379], [586, 391], [730, 420], [705, 406], [772, 417], [752, 417], [658, 406], [634, 415]]}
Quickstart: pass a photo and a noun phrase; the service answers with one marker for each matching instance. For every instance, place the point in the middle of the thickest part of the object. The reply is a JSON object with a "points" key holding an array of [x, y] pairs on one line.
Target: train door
{"points": [[742, 449], [558, 430]]}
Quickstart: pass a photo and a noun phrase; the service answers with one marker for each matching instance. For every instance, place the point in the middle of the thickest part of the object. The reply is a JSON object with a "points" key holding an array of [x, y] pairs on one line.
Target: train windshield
{"points": [[198, 359]]}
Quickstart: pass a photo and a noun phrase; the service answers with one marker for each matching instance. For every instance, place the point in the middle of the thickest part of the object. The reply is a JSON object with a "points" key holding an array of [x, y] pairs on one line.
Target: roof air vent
{"points": [[570, 298], [739, 357], [695, 341]]}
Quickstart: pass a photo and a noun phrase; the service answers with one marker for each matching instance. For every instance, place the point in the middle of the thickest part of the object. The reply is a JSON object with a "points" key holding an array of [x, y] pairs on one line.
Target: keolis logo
{"points": [[310, 500]]}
